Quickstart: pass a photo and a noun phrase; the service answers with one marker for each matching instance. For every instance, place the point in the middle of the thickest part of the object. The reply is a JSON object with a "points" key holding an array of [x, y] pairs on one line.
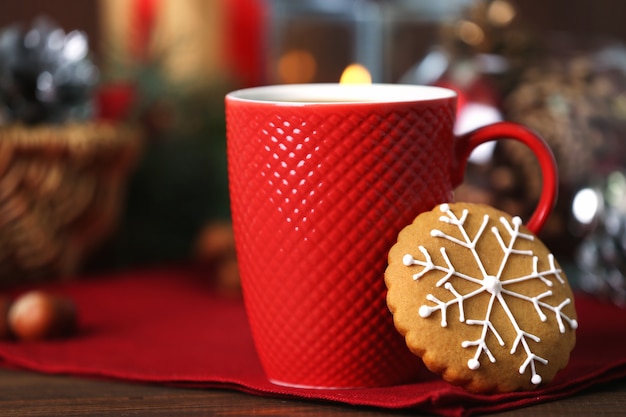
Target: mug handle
{"points": [[466, 143]]}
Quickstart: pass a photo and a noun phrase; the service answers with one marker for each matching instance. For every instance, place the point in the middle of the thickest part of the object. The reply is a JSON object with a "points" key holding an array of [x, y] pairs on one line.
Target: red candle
{"points": [[143, 15], [244, 40]]}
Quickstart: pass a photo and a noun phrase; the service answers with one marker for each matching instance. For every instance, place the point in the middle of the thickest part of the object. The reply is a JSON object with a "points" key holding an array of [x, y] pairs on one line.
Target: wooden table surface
{"points": [[31, 394]]}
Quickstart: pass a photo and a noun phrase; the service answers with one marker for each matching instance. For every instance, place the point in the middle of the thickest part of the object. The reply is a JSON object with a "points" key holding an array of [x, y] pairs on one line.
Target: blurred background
{"points": [[162, 67]]}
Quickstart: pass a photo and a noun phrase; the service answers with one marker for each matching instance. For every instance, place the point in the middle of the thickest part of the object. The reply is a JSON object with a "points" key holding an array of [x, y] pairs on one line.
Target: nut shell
{"points": [[37, 315]]}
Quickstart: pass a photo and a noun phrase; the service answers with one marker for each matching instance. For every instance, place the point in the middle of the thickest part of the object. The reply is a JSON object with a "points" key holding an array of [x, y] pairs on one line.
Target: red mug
{"points": [[322, 178]]}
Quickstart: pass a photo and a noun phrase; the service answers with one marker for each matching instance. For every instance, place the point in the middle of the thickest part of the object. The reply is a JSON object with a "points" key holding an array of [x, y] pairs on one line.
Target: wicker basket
{"points": [[61, 190]]}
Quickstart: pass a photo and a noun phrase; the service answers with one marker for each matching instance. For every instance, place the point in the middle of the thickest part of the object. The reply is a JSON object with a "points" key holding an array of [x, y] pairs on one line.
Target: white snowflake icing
{"points": [[493, 285]]}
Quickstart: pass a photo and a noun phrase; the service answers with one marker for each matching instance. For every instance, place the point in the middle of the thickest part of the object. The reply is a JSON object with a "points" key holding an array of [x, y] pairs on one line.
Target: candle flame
{"points": [[355, 74]]}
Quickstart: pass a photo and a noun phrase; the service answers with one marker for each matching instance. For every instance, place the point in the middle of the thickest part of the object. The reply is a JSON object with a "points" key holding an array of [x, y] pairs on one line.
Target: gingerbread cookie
{"points": [[480, 299]]}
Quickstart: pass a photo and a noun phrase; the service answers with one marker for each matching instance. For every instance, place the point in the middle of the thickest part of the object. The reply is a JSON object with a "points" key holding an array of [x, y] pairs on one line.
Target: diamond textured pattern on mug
{"points": [[303, 186]]}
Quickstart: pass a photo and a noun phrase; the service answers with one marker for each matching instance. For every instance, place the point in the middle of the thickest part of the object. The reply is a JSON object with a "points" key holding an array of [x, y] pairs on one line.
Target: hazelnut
{"points": [[37, 315]]}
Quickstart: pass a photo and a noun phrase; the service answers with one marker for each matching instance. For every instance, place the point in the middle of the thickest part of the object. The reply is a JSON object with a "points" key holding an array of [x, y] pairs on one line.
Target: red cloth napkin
{"points": [[168, 326]]}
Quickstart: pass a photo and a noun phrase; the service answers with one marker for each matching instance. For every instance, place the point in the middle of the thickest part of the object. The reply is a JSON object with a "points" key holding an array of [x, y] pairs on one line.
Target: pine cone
{"points": [[46, 75]]}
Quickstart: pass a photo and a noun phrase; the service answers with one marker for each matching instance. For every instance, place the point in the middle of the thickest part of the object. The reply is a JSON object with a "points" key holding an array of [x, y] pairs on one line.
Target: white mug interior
{"points": [[315, 94]]}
